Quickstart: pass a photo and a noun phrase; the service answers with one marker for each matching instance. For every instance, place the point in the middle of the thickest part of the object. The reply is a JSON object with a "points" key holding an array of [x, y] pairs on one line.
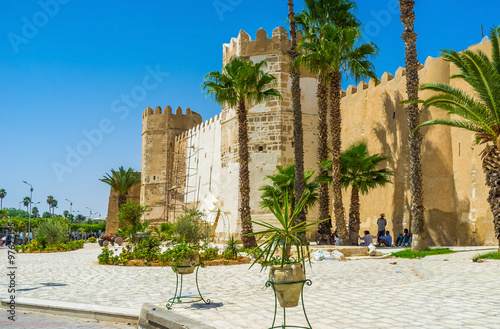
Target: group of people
{"points": [[384, 238]]}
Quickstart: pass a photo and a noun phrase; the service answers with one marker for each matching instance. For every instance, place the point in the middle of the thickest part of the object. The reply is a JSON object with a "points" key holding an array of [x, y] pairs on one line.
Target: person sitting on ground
{"points": [[367, 239], [406, 239], [386, 240], [401, 237]]}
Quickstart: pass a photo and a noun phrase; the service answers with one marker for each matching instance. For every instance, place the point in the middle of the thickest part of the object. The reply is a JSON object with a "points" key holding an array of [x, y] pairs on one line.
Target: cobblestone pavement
{"points": [[445, 291], [31, 320]]}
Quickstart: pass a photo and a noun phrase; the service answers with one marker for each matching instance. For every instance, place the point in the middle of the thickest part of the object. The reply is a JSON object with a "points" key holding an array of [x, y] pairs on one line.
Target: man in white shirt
{"points": [[367, 239]]}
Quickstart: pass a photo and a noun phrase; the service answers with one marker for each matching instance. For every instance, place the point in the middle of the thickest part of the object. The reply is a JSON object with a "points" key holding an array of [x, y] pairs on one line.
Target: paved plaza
{"points": [[445, 291]]}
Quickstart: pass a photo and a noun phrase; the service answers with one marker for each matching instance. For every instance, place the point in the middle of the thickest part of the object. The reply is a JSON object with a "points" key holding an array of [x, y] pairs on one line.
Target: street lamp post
{"points": [[90, 212], [70, 205], [29, 215]]}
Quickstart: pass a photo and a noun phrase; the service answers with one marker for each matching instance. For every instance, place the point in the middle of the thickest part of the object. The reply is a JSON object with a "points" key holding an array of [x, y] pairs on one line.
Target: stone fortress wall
{"points": [[184, 159], [456, 211]]}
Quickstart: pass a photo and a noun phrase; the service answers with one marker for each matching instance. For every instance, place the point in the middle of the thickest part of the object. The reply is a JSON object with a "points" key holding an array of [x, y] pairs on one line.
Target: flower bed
{"points": [[35, 247], [149, 253]]}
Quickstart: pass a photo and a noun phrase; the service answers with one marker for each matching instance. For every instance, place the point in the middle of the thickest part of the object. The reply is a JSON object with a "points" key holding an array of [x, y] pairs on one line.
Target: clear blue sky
{"points": [[66, 71]]}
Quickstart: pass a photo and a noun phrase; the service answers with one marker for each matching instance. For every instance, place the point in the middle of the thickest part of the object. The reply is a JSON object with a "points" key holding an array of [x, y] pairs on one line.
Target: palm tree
{"points": [[409, 37], [479, 111], [298, 134], [50, 201], [121, 182], [34, 212], [313, 60], [26, 202], [358, 171], [332, 37], [54, 205], [284, 183], [65, 213], [3, 193], [239, 83]]}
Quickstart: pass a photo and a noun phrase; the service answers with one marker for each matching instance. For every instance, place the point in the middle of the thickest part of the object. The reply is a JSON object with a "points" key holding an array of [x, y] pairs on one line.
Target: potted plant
{"points": [[277, 245], [185, 257], [187, 232]]}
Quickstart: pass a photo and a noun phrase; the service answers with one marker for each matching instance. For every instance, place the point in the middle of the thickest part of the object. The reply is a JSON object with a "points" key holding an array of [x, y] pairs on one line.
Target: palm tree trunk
{"points": [[419, 240], [245, 216], [336, 134], [354, 220], [25, 231], [298, 139], [122, 199], [492, 170], [324, 198]]}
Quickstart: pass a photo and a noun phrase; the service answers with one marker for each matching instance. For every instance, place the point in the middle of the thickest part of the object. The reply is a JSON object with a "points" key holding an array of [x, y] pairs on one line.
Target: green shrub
{"points": [[147, 249], [231, 249], [92, 239], [52, 230], [125, 231], [105, 256], [131, 214], [165, 257], [210, 254], [188, 227], [164, 232]]}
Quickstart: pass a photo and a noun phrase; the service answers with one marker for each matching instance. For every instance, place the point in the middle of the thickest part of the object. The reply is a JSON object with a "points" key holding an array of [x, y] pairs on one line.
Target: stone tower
{"points": [[159, 129]]}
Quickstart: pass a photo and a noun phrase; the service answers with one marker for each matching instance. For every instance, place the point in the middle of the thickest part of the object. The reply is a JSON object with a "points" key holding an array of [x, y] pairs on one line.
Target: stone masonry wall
{"points": [[454, 192]]}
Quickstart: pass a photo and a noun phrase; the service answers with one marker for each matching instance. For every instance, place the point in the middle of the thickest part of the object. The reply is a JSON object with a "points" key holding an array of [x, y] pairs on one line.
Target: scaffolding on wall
{"points": [[178, 184]]}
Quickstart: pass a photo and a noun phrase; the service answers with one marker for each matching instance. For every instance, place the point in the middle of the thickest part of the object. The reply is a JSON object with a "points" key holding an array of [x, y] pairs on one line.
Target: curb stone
{"points": [[154, 317]]}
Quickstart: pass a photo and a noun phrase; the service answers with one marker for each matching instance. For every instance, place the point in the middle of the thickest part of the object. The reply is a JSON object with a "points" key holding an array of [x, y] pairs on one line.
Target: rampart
{"points": [[184, 158], [456, 211]]}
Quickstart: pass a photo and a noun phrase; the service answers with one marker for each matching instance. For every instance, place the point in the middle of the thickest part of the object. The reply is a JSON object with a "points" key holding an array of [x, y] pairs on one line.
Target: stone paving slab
{"points": [[453, 293]]}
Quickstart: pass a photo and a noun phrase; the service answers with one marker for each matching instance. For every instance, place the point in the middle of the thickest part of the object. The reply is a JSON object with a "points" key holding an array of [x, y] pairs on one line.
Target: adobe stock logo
{"points": [[93, 138], [30, 28], [381, 19], [223, 6]]}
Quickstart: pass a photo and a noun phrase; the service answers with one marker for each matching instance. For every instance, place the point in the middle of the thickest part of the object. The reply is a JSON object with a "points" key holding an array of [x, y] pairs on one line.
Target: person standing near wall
{"points": [[381, 224]]}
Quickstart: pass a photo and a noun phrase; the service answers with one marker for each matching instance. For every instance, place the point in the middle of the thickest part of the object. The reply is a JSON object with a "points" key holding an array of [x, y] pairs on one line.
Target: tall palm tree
{"points": [[50, 201], [239, 83], [298, 133], [283, 183], [313, 59], [35, 212], [479, 111], [3, 193], [358, 170], [26, 202], [121, 181], [353, 61], [54, 205], [332, 46], [409, 37]]}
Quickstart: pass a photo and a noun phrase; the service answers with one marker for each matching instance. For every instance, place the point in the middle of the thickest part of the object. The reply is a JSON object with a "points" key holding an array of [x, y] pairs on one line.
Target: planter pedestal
{"points": [[274, 285], [178, 298]]}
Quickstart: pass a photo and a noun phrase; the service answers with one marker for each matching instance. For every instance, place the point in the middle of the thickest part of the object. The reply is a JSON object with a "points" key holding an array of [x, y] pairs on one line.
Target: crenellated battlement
{"points": [[389, 78], [168, 112], [244, 46], [207, 124]]}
